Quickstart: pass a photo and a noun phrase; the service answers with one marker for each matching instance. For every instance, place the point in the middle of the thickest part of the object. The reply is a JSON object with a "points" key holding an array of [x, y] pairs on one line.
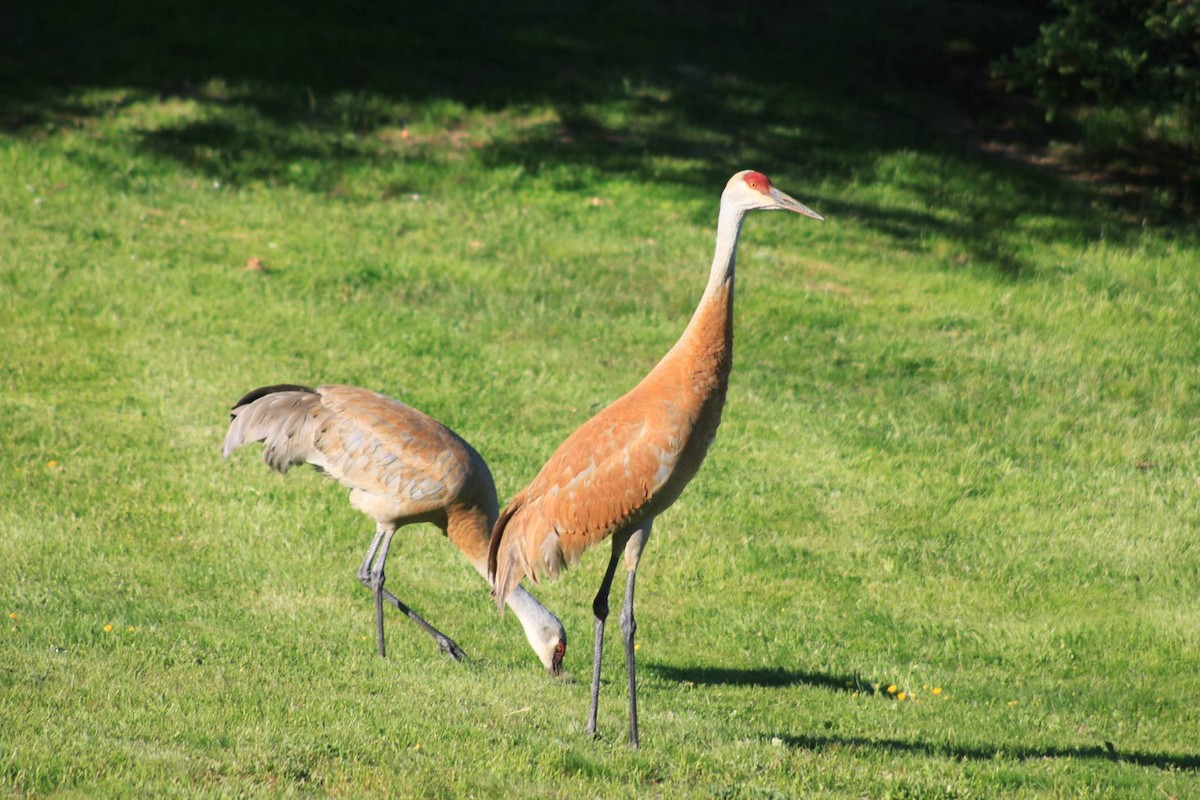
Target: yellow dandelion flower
{"points": [[131, 629], [937, 690], [902, 696], [108, 628], [417, 746], [637, 645], [891, 689], [13, 615], [1012, 703], [51, 464]]}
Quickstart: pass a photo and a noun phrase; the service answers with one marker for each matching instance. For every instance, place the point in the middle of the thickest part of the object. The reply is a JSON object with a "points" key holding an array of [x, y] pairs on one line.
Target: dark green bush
{"points": [[1114, 53]]}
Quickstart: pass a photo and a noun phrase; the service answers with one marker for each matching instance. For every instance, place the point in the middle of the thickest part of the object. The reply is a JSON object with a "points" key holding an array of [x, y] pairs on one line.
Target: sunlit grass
{"points": [[944, 545]]}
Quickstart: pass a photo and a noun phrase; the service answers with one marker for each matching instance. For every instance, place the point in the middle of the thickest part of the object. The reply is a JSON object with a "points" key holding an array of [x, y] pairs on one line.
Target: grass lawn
{"points": [[947, 542]]}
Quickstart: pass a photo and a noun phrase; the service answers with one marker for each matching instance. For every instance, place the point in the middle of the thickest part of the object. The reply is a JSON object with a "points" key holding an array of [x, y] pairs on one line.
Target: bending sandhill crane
{"points": [[622, 468], [401, 467]]}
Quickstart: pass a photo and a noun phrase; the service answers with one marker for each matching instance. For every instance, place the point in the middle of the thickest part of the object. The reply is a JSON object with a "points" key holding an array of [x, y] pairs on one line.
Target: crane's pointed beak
{"points": [[791, 204]]}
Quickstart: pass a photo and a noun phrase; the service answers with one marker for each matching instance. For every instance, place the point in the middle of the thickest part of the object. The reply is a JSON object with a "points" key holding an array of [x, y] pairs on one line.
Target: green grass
{"points": [[960, 450]]}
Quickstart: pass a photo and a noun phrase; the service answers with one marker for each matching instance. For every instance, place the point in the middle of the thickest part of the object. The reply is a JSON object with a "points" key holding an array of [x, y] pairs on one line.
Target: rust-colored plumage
{"points": [[614, 475], [625, 464], [401, 467]]}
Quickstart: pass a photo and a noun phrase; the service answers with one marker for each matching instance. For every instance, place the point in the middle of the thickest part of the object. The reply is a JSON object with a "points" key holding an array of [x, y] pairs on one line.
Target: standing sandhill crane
{"points": [[622, 468], [401, 466]]}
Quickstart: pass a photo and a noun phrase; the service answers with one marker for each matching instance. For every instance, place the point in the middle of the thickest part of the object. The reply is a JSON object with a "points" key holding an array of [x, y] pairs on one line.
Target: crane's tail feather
{"points": [[283, 417], [526, 550], [263, 391], [500, 578]]}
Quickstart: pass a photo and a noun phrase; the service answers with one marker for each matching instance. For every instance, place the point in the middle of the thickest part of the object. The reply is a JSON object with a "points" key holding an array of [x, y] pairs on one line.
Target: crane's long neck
{"points": [[707, 343], [470, 530], [720, 277], [533, 615], [542, 628]]}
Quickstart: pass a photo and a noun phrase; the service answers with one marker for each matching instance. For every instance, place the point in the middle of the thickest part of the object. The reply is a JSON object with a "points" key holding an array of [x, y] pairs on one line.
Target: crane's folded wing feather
{"points": [[598, 481], [380, 445]]}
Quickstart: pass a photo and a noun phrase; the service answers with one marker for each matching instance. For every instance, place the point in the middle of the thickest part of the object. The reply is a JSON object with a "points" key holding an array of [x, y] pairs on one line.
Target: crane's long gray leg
{"points": [[600, 610], [372, 576], [633, 554], [445, 643], [364, 571], [377, 578]]}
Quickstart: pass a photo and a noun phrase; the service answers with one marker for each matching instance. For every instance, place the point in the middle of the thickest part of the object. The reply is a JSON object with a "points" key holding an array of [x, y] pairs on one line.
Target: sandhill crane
{"points": [[622, 468], [401, 467]]}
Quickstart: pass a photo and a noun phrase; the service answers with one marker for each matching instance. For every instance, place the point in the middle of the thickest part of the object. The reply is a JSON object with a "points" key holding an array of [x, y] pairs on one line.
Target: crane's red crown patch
{"points": [[757, 181]]}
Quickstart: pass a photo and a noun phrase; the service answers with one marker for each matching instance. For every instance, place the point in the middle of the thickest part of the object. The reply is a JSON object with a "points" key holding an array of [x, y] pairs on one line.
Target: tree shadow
{"points": [[957, 752], [813, 92], [765, 677], [980, 239]]}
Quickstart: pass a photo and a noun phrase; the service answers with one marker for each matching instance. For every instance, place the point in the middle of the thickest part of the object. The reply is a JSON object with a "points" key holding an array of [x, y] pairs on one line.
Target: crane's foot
{"points": [[448, 647]]}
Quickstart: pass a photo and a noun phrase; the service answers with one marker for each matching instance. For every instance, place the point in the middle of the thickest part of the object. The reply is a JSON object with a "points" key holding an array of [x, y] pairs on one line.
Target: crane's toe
{"points": [[451, 649]]}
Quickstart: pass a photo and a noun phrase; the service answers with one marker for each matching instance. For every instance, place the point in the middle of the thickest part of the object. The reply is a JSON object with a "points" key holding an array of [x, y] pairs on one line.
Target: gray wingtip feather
{"points": [[263, 391], [277, 416]]}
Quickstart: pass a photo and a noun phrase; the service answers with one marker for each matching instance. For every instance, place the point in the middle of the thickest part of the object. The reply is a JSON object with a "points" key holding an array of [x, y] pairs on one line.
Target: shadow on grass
{"points": [[778, 677], [774, 677], [1108, 752], [823, 91]]}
